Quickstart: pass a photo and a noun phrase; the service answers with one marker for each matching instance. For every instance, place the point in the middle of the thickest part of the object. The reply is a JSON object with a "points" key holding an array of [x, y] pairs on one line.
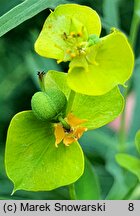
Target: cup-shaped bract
{"points": [[65, 30], [107, 64], [97, 65]]}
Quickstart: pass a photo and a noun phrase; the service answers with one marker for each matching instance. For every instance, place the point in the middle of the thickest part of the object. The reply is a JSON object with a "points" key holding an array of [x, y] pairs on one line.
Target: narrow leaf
{"points": [[135, 119], [23, 12], [137, 7], [137, 141], [130, 163], [111, 12]]}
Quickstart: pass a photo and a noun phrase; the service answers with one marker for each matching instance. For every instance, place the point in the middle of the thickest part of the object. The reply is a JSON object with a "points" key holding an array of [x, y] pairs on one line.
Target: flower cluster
{"points": [[97, 64]]}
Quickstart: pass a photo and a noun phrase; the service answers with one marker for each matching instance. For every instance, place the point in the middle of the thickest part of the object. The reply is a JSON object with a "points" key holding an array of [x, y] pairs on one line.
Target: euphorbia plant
{"points": [[42, 149]]}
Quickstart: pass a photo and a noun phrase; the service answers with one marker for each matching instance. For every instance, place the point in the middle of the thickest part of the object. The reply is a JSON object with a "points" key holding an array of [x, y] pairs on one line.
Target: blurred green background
{"points": [[19, 65]]}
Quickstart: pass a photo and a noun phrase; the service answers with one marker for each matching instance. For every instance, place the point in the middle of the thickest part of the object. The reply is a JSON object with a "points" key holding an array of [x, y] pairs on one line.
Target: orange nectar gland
{"points": [[71, 135], [72, 55]]}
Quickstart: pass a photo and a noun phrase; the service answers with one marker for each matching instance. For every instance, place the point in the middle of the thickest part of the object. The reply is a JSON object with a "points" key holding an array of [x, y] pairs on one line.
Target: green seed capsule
{"points": [[47, 106]]}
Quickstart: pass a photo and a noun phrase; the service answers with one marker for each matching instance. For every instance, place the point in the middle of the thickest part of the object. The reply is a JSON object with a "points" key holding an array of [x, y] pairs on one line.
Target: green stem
{"points": [[134, 27], [72, 192], [133, 192], [64, 123], [122, 132], [132, 39], [70, 101]]}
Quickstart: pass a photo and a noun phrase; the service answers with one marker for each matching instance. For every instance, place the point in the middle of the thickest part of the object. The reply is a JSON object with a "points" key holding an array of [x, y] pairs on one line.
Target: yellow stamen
{"points": [[72, 55], [79, 34], [68, 51], [72, 34]]}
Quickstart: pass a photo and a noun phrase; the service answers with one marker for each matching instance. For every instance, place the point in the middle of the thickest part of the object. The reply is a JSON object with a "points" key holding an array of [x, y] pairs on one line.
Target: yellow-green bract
{"points": [[96, 66], [65, 28], [39, 165]]}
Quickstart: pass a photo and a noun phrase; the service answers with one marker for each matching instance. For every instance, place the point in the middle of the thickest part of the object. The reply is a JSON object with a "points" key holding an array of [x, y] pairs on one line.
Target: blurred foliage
{"points": [[18, 82], [6, 5]]}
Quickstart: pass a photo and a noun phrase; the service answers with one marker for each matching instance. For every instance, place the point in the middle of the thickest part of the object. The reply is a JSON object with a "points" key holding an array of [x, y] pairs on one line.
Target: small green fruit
{"points": [[47, 106]]}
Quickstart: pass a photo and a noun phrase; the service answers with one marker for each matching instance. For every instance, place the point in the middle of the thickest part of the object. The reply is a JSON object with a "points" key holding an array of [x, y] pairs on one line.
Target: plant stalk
{"points": [[132, 39], [134, 30], [72, 192], [70, 101], [122, 130], [64, 123], [71, 98]]}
